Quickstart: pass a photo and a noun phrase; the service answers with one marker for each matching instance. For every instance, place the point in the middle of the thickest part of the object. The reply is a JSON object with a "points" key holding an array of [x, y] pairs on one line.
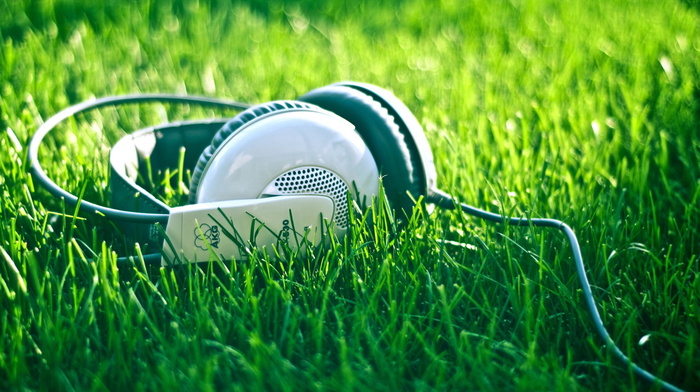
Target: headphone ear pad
{"points": [[229, 129], [383, 137]]}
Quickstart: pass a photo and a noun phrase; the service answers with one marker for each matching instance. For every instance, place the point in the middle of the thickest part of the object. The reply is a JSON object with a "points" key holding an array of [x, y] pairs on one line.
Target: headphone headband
{"points": [[181, 131]]}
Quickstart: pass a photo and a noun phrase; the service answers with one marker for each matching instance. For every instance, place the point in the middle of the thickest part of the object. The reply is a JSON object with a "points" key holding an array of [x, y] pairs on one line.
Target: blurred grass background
{"points": [[586, 111]]}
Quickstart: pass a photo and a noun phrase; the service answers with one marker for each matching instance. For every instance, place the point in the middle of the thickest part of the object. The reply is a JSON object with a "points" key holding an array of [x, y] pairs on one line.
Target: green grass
{"points": [[583, 111]]}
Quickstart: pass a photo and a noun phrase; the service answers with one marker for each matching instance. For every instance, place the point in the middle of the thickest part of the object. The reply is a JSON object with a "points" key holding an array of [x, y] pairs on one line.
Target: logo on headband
{"points": [[205, 236]]}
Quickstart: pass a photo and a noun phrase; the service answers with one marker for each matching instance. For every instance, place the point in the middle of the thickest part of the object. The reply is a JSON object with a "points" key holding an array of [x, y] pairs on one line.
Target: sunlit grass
{"points": [[583, 111]]}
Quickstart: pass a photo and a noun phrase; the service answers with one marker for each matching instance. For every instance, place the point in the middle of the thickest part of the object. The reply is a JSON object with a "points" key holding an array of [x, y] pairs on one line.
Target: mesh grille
{"points": [[320, 181]]}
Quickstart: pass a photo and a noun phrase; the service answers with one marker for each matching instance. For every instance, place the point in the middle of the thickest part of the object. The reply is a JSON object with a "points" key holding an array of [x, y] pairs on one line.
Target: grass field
{"points": [[585, 111]]}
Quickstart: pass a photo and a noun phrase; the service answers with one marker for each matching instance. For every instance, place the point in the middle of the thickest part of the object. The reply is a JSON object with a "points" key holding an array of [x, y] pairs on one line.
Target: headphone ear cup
{"points": [[229, 129], [377, 124]]}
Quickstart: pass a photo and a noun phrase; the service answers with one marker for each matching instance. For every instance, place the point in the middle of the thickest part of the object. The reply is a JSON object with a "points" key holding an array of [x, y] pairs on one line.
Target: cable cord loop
{"points": [[445, 200]]}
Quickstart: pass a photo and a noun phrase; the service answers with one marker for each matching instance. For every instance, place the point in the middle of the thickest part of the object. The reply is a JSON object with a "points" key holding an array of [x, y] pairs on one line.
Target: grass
{"points": [[584, 111]]}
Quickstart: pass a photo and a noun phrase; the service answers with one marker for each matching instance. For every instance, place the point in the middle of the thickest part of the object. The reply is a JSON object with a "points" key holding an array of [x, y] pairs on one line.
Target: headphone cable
{"points": [[443, 199]]}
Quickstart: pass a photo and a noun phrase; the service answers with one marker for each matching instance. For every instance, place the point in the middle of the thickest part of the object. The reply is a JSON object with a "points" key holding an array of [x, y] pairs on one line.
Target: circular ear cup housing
{"points": [[391, 132], [229, 129], [286, 148]]}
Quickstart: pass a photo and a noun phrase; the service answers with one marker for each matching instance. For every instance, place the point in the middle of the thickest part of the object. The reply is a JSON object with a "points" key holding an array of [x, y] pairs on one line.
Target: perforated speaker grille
{"points": [[316, 180]]}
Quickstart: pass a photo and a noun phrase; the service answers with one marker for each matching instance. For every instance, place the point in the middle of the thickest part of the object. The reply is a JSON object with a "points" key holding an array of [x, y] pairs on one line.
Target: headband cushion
{"points": [[385, 135], [229, 129]]}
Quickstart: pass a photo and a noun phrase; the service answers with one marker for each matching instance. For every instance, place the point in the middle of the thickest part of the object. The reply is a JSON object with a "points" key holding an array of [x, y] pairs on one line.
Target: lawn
{"points": [[584, 111]]}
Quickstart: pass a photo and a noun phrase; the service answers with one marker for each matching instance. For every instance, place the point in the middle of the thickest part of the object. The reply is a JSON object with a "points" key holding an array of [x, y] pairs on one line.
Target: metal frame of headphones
{"points": [[278, 170]]}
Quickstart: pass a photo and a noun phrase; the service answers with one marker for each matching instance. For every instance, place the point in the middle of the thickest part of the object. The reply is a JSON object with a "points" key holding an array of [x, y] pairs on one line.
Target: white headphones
{"points": [[278, 173]]}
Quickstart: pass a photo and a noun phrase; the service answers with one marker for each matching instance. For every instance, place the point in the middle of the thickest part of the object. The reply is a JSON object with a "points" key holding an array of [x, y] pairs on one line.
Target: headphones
{"points": [[278, 174]]}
